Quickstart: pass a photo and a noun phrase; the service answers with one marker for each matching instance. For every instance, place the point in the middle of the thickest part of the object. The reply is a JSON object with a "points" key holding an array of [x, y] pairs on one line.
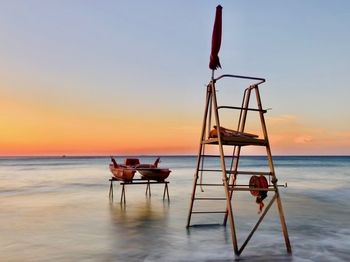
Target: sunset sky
{"points": [[129, 77]]}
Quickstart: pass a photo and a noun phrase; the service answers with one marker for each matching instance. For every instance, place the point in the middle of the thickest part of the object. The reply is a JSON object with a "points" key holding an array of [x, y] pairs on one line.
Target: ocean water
{"points": [[57, 209]]}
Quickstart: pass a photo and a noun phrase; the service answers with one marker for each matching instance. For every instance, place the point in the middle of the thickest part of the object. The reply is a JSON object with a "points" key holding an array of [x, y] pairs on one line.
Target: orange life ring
{"points": [[254, 182], [259, 182], [263, 182]]}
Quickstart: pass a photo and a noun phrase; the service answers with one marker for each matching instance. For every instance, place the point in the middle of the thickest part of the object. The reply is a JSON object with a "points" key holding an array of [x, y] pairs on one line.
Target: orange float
{"points": [[259, 182]]}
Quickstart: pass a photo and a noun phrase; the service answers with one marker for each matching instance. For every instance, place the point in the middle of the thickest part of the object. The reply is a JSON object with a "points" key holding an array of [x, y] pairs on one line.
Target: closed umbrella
{"points": [[216, 40]]}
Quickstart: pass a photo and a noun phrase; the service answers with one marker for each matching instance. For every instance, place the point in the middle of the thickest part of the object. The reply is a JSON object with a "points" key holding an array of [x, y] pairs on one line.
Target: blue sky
{"points": [[148, 60]]}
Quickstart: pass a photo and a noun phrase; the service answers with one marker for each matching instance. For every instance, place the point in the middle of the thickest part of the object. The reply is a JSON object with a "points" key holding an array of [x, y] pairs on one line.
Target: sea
{"points": [[58, 209]]}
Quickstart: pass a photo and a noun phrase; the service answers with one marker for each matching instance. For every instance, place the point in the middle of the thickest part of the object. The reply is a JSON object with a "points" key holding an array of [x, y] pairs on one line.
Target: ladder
{"points": [[234, 139]]}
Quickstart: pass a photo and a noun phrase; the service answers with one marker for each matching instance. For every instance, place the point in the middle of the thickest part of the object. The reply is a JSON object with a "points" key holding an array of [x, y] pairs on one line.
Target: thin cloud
{"points": [[345, 134], [283, 118], [303, 139]]}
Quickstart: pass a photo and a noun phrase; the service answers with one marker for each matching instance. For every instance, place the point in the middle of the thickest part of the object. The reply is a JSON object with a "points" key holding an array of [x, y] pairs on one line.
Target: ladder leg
{"points": [[283, 223], [274, 178], [233, 178], [241, 126], [199, 158], [257, 224], [224, 176], [231, 219], [279, 202]]}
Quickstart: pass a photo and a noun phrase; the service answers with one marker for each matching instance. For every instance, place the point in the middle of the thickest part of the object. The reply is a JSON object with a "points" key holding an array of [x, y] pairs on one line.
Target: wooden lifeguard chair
{"points": [[222, 139]]}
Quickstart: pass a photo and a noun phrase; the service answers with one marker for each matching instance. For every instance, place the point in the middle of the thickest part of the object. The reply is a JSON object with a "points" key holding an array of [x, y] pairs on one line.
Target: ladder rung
{"points": [[238, 172], [250, 185], [243, 108], [205, 225], [210, 198], [215, 170], [251, 173], [210, 184], [218, 156], [252, 189], [207, 212]]}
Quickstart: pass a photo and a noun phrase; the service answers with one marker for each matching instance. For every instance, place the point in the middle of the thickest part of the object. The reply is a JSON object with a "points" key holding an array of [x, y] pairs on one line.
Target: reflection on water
{"points": [[142, 212], [139, 228]]}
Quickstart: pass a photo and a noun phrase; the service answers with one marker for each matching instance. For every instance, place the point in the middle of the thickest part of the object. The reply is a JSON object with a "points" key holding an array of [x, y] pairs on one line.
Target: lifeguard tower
{"points": [[229, 143]]}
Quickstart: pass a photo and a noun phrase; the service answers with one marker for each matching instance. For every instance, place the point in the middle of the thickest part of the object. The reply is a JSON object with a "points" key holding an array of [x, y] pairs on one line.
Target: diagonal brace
{"points": [[257, 224]]}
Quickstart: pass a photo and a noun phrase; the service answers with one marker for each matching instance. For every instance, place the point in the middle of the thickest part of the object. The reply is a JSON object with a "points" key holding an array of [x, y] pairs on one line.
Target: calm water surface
{"points": [[57, 209]]}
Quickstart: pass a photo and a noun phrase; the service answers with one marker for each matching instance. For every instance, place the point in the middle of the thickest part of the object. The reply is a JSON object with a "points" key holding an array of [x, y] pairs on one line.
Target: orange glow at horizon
{"points": [[28, 129]]}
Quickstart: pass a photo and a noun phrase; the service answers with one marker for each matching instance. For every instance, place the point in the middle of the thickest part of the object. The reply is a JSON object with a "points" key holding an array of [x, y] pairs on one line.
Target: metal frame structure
{"points": [[230, 174], [137, 182]]}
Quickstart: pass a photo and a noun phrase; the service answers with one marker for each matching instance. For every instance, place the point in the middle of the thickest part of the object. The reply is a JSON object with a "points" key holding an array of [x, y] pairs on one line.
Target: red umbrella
{"points": [[216, 40]]}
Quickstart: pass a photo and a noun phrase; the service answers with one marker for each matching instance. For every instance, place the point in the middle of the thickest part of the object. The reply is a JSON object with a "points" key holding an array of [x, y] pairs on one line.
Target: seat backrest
{"points": [[132, 162], [156, 162], [114, 162]]}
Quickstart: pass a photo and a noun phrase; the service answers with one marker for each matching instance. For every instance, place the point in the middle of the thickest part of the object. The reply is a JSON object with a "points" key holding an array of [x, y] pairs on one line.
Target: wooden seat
{"points": [[236, 141]]}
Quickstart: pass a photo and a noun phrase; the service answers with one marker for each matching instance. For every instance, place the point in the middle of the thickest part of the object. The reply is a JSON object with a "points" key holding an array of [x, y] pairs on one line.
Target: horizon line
{"points": [[167, 155]]}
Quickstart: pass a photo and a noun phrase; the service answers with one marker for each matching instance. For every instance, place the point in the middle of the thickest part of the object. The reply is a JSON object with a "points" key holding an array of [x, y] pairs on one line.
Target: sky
{"points": [[129, 77]]}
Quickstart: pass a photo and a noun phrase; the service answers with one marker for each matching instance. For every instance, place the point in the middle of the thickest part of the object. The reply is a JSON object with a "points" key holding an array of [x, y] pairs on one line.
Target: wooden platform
{"points": [[137, 182], [237, 141]]}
